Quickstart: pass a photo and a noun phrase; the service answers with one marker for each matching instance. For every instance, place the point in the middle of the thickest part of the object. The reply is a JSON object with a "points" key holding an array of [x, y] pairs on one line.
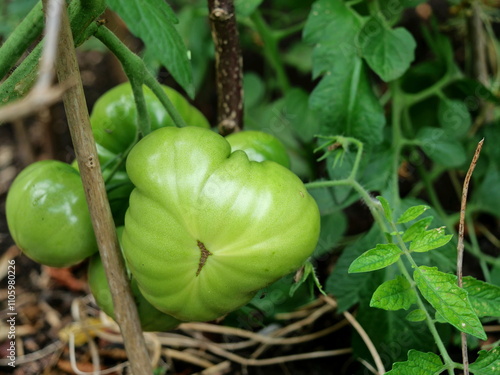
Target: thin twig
{"points": [[187, 357], [295, 326], [35, 356], [221, 368], [100, 212], [460, 245], [228, 65]]}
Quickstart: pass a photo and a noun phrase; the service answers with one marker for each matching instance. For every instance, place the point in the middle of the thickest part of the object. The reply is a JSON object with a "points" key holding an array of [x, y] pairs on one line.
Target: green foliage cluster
{"points": [[365, 108]]}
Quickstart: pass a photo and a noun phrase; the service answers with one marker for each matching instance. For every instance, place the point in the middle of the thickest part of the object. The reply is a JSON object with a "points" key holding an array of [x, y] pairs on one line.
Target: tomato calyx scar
{"points": [[204, 256]]}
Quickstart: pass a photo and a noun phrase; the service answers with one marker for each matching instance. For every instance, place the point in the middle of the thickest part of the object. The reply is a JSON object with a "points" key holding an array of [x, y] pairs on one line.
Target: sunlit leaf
{"points": [[441, 291], [379, 257]]}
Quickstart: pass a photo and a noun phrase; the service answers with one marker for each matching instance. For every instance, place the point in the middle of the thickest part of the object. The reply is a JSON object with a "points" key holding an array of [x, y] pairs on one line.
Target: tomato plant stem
{"points": [[397, 142], [21, 38], [81, 14], [135, 67], [102, 220], [430, 322], [271, 52]]}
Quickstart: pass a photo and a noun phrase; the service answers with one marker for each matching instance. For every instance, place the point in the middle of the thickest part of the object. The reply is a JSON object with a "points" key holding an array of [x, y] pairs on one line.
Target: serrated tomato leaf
{"points": [[418, 363], [153, 22], [440, 147], [394, 295], [417, 229], [412, 213], [441, 291], [346, 104], [429, 240], [454, 117], [388, 52], [380, 257], [386, 207], [484, 297], [344, 98], [488, 362]]}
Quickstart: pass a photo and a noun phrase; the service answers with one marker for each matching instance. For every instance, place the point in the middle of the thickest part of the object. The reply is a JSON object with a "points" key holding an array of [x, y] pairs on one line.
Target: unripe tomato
{"points": [[114, 116], [151, 319], [207, 228], [47, 214], [259, 146]]}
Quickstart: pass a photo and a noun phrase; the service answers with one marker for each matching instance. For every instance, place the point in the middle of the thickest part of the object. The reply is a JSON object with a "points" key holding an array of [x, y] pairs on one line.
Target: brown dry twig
{"points": [[203, 352], [460, 245], [100, 212]]}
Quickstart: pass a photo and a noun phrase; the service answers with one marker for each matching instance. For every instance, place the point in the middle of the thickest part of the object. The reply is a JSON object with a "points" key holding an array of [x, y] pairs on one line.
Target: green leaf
{"points": [[349, 288], [454, 117], [394, 295], [418, 363], [487, 196], [344, 97], [303, 119], [417, 229], [322, 26], [417, 315], [488, 362], [387, 208], [153, 22], [346, 104], [452, 302], [388, 52], [429, 240], [412, 213], [484, 297], [446, 258], [380, 257], [438, 145]]}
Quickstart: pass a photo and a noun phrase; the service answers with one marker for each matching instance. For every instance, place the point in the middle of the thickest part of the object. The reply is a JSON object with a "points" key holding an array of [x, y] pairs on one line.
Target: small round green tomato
{"points": [[114, 116], [151, 319], [207, 228], [259, 146], [47, 214]]}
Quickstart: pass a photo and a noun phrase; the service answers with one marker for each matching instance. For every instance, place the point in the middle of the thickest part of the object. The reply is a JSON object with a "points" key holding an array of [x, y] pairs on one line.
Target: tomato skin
{"points": [[207, 228], [151, 319], [47, 214], [259, 146], [114, 116]]}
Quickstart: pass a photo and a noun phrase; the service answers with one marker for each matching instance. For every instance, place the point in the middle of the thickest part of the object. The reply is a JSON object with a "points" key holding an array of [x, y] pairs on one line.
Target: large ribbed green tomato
{"points": [[47, 214], [114, 116], [207, 228]]}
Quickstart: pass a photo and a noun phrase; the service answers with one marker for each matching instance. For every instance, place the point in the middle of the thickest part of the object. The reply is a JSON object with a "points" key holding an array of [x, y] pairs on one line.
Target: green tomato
{"points": [[151, 319], [114, 116], [259, 146], [47, 214], [207, 228]]}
